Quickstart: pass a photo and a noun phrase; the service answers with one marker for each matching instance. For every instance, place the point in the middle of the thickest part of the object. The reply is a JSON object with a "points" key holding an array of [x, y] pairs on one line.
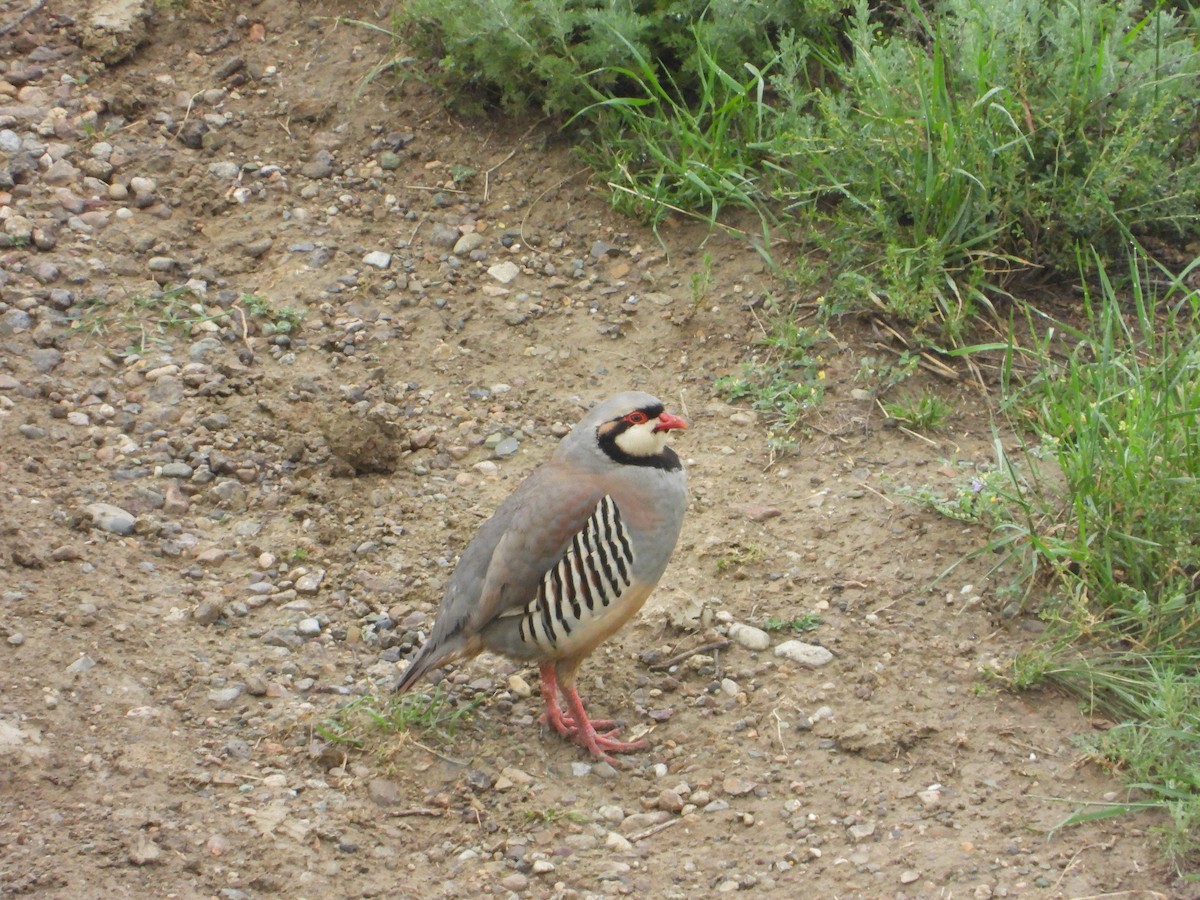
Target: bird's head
{"points": [[633, 429]]}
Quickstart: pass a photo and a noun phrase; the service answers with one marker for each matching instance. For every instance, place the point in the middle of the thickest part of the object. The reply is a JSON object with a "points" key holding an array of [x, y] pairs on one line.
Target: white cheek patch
{"points": [[642, 440]]}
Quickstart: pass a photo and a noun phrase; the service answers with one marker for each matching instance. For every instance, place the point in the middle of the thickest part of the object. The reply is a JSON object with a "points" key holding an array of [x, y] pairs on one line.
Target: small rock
{"points": [[472, 240], [384, 792], [225, 698], [378, 259], [861, 831], [908, 876], [308, 627], [737, 787], [811, 655], [209, 610], [81, 665], [506, 448], [542, 867], [749, 637], [504, 272], [670, 801], [143, 850], [310, 582], [641, 821], [320, 166], [519, 686], [617, 842], [757, 512], [111, 518]]}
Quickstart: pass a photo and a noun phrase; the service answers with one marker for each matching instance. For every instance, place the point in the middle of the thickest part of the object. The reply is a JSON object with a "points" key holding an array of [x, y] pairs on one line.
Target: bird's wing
{"points": [[549, 509]]}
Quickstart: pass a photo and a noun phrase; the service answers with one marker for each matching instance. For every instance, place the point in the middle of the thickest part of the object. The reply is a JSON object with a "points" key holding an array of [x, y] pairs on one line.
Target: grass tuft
{"points": [[369, 720]]}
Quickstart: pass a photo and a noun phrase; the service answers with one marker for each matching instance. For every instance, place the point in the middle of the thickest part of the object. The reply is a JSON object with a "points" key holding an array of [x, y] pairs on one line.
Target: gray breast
{"points": [[591, 576]]}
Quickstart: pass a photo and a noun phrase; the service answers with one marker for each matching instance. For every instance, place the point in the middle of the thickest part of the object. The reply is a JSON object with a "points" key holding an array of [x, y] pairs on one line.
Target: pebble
{"points": [[519, 686], [504, 272], [308, 627], [378, 259], [749, 637], [506, 448], [45, 359], [472, 240], [111, 518], [209, 610], [225, 698], [636, 822], [514, 882], [812, 655], [310, 582], [83, 664], [617, 842]]}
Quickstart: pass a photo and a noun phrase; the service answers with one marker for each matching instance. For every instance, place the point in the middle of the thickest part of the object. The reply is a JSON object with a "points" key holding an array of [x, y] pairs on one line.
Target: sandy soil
{"points": [[295, 503]]}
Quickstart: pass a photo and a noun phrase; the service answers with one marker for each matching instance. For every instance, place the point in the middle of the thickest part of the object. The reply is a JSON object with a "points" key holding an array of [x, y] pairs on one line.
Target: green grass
{"points": [[132, 324], [1101, 514], [805, 622], [924, 412], [740, 557], [369, 720], [784, 376]]}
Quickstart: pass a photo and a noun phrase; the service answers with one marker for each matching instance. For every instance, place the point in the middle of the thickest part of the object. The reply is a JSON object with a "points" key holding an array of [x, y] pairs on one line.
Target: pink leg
{"points": [[585, 732], [554, 716]]}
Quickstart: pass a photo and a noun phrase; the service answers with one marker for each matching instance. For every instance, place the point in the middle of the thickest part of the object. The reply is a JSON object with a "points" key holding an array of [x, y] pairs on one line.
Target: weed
{"points": [[1114, 535], [702, 282], [740, 557], [809, 621], [787, 379], [885, 374], [371, 718], [139, 322], [927, 412], [551, 814]]}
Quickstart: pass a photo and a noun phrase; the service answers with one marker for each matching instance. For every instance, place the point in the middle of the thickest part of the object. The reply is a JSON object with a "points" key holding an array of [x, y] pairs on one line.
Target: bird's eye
{"points": [[637, 418]]}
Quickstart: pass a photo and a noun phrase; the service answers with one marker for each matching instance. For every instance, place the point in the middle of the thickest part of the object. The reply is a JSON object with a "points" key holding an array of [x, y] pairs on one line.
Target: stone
{"points": [[472, 240], [812, 655], [749, 637], [504, 272], [111, 518]]}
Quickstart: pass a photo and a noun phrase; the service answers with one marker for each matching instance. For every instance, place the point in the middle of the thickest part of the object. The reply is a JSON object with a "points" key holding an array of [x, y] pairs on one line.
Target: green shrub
{"points": [[951, 149], [534, 53]]}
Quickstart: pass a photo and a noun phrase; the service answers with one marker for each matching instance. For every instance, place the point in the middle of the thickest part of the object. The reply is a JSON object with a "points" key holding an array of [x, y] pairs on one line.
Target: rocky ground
{"points": [[274, 339]]}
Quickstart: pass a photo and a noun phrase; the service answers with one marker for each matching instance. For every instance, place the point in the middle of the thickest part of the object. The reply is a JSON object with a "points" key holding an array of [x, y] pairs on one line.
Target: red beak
{"points": [[667, 422]]}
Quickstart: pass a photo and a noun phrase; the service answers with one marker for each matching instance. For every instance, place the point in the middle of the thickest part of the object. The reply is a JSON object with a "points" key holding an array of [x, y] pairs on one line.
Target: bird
{"points": [[567, 559]]}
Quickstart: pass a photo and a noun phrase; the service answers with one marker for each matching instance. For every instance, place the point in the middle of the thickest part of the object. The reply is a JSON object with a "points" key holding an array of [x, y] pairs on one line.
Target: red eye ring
{"points": [[637, 417]]}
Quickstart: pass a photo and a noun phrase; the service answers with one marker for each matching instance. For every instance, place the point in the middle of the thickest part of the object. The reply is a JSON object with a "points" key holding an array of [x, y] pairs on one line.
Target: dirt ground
{"points": [[281, 511]]}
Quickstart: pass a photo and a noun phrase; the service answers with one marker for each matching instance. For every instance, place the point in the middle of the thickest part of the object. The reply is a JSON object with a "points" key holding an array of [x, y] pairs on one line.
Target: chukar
{"points": [[568, 558]]}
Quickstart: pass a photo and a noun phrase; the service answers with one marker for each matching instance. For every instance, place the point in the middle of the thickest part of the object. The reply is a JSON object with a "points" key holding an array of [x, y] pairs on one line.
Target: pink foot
{"points": [[597, 736], [586, 736]]}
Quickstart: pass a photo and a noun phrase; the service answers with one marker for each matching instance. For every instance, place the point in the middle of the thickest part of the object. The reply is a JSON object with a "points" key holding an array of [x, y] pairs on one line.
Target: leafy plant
{"points": [[785, 379], [926, 412], [1112, 538], [809, 621], [371, 718], [741, 556]]}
